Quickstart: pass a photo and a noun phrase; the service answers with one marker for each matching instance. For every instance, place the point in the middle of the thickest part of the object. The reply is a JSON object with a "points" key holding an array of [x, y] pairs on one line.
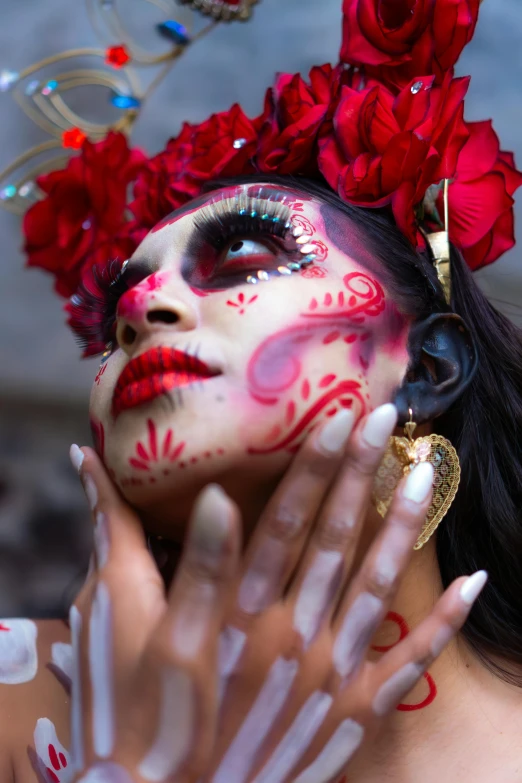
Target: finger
{"points": [[368, 596], [182, 658], [331, 549], [401, 667], [282, 530], [119, 541]]}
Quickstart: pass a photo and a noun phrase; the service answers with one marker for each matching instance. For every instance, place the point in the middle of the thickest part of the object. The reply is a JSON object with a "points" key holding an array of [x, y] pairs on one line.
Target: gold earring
{"points": [[401, 456]]}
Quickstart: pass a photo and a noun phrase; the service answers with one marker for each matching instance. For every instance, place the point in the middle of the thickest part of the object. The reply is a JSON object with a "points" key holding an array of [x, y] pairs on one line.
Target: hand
{"points": [[297, 696]]}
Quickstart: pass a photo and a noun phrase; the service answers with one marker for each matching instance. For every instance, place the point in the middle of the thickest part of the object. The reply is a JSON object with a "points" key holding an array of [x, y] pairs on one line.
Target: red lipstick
{"points": [[154, 373]]}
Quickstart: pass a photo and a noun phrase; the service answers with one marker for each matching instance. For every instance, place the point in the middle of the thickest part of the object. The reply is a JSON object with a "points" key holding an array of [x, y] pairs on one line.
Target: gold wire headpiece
{"points": [[440, 247], [42, 90]]}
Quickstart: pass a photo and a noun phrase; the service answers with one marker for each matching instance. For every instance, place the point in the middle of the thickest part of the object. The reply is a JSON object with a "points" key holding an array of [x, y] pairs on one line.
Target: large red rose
{"points": [[83, 216], [481, 221], [389, 150], [222, 146], [296, 114], [398, 40]]}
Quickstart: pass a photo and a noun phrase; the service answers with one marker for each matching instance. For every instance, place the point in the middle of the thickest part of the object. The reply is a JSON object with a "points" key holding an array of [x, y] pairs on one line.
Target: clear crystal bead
{"points": [[417, 87], [238, 143], [262, 275], [7, 79], [32, 87], [26, 189]]}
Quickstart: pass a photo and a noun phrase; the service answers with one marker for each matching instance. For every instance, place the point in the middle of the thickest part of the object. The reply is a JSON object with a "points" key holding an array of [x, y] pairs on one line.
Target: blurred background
{"points": [[45, 532]]}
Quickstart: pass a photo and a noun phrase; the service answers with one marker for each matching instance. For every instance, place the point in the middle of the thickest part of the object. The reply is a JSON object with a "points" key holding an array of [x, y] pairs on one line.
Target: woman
{"points": [[263, 313]]}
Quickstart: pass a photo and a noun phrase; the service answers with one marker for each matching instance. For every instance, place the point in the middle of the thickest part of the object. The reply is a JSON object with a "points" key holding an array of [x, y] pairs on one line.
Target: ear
{"points": [[443, 360]]}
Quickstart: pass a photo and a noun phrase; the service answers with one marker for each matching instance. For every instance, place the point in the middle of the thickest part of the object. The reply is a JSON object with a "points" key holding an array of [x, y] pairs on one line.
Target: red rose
{"points": [[295, 115], [388, 150], [222, 146], [398, 40], [480, 200], [83, 215]]}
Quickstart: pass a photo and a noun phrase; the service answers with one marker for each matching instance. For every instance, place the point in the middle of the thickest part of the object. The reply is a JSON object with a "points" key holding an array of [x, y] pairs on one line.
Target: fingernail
{"points": [[419, 483], [472, 587], [77, 456], [101, 539], [336, 431], [91, 491], [380, 425], [210, 528]]}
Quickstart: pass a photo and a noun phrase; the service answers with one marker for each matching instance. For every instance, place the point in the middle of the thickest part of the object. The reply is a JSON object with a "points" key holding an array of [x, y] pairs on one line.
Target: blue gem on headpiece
{"points": [[174, 31], [50, 87], [8, 192], [125, 101], [7, 79]]}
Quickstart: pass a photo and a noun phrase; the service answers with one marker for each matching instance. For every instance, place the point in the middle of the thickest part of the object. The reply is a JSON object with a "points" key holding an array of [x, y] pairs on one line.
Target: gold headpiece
{"points": [[42, 89], [440, 248]]}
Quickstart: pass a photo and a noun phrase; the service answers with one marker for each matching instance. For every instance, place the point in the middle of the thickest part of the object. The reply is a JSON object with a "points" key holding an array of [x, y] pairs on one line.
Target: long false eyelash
{"points": [[92, 309], [220, 221]]}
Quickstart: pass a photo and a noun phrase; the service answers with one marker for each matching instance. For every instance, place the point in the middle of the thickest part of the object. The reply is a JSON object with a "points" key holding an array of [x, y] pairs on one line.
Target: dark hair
{"points": [[483, 528]]}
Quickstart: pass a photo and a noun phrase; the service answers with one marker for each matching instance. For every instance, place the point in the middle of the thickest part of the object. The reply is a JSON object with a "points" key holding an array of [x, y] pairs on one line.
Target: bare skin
{"points": [[231, 412]]}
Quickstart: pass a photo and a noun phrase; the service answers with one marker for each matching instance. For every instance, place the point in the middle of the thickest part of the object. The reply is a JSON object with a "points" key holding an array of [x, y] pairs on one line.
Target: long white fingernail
{"points": [[380, 425], [336, 431], [101, 539], [419, 483], [211, 524], [77, 456], [91, 491], [473, 586]]}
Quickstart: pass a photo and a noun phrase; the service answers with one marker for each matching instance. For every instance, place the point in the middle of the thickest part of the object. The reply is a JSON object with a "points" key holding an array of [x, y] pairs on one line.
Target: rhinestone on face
{"points": [[7, 79], [417, 87], [262, 275], [252, 280], [283, 270], [7, 193], [293, 266], [238, 143], [305, 249]]}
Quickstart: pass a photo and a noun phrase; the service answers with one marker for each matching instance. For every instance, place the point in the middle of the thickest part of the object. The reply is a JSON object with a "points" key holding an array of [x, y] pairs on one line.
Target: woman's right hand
{"points": [[252, 670]]}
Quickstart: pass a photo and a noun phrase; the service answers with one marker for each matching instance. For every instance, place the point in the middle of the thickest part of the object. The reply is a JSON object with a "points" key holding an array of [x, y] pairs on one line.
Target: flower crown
{"points": [[384, 128]]}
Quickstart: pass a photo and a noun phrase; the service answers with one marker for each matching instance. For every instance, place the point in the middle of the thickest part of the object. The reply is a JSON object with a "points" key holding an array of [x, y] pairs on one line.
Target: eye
{"points": [[242, 251]]}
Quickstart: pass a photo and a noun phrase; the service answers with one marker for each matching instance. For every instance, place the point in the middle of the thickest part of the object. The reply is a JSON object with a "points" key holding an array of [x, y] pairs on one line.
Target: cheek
{"points": [[327, 359]]}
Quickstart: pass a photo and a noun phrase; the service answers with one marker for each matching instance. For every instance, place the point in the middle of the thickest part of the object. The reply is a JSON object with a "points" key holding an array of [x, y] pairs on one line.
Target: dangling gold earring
{"points": [[401, 456]]}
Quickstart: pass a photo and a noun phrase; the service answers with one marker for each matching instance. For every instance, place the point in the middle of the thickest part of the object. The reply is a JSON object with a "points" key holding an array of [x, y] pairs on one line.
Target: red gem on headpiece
{"points": [[74, 138], [117, 56]]}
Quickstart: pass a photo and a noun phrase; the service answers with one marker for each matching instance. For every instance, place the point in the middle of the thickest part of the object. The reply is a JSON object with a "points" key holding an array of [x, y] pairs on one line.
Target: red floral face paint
{"points": [[154, 373], [431, 688]]}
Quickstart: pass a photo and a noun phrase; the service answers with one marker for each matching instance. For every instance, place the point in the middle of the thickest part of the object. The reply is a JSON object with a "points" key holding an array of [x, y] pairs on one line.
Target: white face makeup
{"points": [[219, 379]]}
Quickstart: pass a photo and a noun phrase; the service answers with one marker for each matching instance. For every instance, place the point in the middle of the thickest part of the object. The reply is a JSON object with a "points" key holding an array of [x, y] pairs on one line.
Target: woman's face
{"points": [[220, 379]]}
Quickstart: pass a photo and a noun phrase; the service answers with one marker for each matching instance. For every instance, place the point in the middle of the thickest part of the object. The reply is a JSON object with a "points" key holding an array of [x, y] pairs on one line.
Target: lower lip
{"points": [[141, 392]]}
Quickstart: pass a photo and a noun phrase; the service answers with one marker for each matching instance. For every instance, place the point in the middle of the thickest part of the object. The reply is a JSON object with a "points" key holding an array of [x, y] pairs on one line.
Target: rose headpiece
{"points": [[385, 127]]}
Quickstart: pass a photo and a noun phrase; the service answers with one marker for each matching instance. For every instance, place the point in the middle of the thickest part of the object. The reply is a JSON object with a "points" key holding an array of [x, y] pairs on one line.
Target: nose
{"points": [[140, 315]]}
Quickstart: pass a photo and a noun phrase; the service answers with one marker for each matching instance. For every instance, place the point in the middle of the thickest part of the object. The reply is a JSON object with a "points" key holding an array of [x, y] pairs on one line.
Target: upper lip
{"points": [[160, 360]]}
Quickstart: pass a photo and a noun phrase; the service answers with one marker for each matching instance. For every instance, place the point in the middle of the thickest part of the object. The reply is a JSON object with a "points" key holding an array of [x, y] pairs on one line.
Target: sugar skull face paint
{"points": [[244, 321]]}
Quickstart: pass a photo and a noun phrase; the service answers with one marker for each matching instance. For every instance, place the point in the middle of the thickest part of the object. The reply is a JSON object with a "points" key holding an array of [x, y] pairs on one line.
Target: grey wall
{"points": [[44, 533]]}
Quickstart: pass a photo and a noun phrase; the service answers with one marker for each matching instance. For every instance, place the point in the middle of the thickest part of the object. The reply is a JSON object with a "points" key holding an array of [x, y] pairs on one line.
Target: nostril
{"points": [[162, 316], [128, 335]]}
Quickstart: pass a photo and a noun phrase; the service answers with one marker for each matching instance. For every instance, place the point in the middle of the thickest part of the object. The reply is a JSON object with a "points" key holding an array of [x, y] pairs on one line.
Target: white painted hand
{"points": [[144, 679], [298, 695]]}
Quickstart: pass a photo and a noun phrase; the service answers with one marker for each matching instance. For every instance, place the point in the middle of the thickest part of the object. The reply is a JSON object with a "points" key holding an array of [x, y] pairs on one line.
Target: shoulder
{"points": [[35, 664]]}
